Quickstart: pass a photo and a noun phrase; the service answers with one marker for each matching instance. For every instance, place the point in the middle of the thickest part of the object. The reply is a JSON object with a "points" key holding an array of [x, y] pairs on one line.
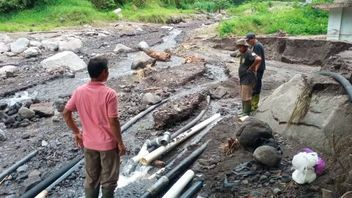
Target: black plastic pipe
{"points": [[342, 80], [193, 190], [154, 190], [17, 164], [140, 115], [46, 182]]}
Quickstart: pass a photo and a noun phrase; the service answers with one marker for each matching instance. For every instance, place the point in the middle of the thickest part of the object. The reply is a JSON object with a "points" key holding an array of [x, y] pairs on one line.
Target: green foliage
{"points": [[270, 17], [104, 4], [211, 6], [12, 5], [57, 13]]}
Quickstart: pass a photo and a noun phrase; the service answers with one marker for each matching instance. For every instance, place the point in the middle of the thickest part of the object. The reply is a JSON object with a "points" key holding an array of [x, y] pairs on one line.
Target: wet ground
{"points": [[175, 80]]}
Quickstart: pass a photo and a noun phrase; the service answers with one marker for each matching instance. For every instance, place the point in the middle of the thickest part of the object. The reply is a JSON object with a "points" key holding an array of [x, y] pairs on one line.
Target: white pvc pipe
{"points": [[147, 159], [141, 153], [177, 188]]}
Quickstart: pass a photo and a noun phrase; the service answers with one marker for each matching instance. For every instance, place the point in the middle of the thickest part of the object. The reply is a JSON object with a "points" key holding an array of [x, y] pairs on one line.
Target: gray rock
{"points": [[31, 52], [59, 104], [64, 59], [34, 173], [276, 191], [323, 119], [10, 120], [5, 38], [50, 44], [26, 113], [219, 92], [2, 136], [70, 44], [120, 48], [143, 45], [267, 155], [141, 60], [3, 48], [253, 133], [22, 168], [45, 109], [25, 136], [35, 44], [19, 45], [5, 70], [150, 98], [3, 106]]}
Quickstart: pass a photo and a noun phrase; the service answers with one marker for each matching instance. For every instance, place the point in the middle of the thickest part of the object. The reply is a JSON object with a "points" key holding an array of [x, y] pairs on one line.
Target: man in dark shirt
{"points": [[249, 65], [257, 48]]}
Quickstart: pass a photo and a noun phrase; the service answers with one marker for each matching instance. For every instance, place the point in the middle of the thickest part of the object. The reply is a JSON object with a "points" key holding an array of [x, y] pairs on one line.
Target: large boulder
{"points": [[70, 44], [3, 48], [5, 70], [311, 109], [254, 133], [50, 44], [64, 59], [45, 109], [141, 60], [150, 98], [19, 45]]}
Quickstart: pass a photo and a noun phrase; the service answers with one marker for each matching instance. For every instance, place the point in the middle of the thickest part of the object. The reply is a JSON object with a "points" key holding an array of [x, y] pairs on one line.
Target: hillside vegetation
{"points": [[262, 17]]}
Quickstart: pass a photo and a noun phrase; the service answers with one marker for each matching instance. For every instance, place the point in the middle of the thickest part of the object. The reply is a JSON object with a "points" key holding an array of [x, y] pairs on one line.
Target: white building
{"points": [[340, 20]]}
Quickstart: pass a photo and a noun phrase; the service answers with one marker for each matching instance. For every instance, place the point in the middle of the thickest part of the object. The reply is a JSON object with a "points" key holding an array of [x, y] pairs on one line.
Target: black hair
{"points": [[96, 66]]}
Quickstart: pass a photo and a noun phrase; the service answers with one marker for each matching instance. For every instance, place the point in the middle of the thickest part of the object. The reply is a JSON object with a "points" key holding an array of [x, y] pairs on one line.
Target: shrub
{"points": [[13, 5], [104, 4]]}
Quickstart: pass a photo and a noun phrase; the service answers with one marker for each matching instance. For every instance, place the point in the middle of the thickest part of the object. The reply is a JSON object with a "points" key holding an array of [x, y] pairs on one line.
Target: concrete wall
{"points": [[340, 24]]}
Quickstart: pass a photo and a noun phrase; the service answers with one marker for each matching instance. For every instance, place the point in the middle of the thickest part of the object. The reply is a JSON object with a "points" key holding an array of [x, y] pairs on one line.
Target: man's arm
{"points": [[256, 64], [116, 132], [67, 114]]}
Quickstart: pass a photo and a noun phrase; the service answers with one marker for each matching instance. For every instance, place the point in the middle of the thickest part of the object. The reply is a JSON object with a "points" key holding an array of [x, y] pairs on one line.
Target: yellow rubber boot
{"points": [[255, 102]]}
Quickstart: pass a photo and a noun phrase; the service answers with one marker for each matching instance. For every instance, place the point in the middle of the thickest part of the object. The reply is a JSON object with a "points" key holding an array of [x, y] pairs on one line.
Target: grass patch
{"points": [[152, 13], [271, 17], [61, 13]]}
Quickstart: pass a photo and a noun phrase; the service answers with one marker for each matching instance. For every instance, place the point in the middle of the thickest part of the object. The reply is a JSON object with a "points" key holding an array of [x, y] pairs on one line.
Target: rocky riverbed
{"points": [[34, 89]]}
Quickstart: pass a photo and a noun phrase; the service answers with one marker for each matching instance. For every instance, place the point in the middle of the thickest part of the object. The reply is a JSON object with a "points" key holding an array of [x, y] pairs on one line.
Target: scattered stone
{"points": [[4, 48], [31, 52], [267, 155], [50, 44], [276, 191], [2, 136], [141, 60], [139, 29], [25, 136], [253, 133], [45, 109], [4, 71], [151, 99], [218, 93], [64, 59], [26, 113], [44, 143], [120, 48], [71, 44], [34, 173], [10, 54], [160, 56], [59, 104], [35, 44], [19, 45], [3, 106], [9, 121], [245, 182], [24, 123], [143, 45], [5, 38], [167, 27], [22, 168]]}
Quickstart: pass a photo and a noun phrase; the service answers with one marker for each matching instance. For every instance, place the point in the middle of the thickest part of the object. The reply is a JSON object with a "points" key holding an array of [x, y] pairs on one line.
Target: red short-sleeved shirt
{"points": [[95, 104]]}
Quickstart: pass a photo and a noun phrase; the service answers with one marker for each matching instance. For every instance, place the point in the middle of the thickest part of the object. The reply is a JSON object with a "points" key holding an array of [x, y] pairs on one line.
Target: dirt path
{"points": [[54, 140]]}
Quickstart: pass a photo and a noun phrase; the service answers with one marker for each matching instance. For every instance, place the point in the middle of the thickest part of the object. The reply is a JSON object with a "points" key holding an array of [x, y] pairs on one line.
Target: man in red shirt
{"points": [[97, 107]]}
